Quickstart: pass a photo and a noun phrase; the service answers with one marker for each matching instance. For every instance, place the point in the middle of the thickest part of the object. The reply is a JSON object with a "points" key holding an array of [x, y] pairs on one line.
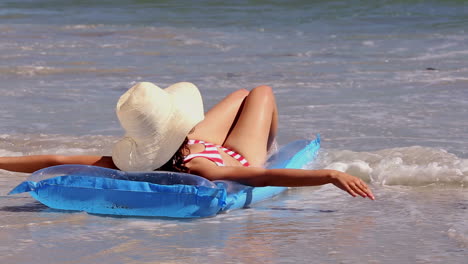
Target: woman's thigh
{"points": [[219, 119], [255, 126]]}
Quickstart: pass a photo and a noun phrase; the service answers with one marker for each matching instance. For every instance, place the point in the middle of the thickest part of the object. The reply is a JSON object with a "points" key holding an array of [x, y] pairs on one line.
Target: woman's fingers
{"points": [[350, 190], [358, 187], [366, 192], [359, 190], [353, 185]]}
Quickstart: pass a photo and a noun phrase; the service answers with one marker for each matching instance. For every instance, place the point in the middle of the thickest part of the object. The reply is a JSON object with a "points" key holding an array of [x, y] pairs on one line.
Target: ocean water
{"points": [[385, 83]]}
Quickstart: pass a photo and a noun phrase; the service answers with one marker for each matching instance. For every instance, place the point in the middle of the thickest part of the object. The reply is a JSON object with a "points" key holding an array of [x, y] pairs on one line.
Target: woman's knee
{"points": [[264, 94], [264, 90], [237, 96], [241, 93]]}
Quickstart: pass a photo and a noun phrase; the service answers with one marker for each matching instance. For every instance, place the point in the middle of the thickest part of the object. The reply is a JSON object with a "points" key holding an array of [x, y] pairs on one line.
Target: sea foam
{"points": [[410, 166]]}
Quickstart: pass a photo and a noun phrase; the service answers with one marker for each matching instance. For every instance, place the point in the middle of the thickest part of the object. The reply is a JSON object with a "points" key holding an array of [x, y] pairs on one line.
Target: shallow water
{"points": [[405, 225], [385, 84]]}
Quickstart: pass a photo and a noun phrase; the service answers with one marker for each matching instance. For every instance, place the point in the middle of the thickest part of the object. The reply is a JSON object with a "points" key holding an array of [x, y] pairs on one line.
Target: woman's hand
{"points": [[350, 184]]}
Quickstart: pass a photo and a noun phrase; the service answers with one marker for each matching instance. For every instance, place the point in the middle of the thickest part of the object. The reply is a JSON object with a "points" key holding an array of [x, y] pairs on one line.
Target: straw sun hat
{"points": [[156, 122]]}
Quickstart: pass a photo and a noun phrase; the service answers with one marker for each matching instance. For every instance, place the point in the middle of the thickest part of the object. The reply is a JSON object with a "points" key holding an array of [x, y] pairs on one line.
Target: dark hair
{"points": [[176, 163]]}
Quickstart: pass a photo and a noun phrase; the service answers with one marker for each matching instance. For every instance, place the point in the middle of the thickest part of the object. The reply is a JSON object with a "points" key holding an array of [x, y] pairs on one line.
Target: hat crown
{"points": [[140, 114]]}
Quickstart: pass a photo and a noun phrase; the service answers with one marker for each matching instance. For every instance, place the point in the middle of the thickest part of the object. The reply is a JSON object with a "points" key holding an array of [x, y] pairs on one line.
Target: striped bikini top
{"points": [[211, 152]]}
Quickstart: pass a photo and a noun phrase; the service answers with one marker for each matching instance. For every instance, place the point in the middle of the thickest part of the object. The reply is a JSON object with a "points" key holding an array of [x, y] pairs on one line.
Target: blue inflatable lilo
{"points": [[164, 194]]}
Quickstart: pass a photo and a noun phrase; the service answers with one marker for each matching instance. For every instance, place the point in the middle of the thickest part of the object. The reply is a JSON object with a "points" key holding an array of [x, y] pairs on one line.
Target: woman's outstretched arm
{"points": [[33, 163], [260, 177]]}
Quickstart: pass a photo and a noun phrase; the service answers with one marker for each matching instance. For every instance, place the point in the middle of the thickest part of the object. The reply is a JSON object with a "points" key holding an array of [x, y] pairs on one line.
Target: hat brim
{"points": [[156, 122]]}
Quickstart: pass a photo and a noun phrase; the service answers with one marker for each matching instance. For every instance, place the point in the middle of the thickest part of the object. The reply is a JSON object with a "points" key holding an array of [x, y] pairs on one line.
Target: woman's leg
{"points": [[220, 119], [31, 164], [255, 129]]}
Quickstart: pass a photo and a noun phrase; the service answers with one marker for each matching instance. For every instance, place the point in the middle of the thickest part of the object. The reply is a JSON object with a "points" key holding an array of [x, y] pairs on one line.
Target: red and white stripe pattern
{"points": [[235, 155], [211, 152]]}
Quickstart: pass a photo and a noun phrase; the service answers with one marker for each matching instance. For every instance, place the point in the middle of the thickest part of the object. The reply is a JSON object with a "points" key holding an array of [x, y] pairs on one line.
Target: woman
{"points": [[166, 130]]}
